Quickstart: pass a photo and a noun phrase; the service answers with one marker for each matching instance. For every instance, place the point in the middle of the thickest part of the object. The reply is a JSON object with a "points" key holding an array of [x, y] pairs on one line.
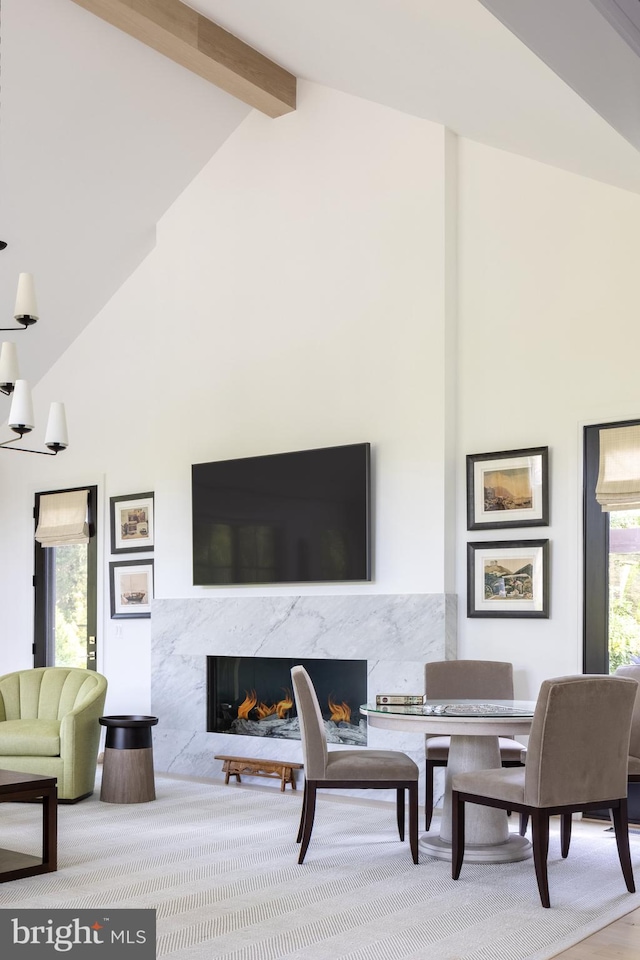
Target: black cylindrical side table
{"points": [[127, 772]]}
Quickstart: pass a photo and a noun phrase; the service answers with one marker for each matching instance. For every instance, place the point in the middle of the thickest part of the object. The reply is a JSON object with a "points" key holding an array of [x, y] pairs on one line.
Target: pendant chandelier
{"points": [[21, 419]]}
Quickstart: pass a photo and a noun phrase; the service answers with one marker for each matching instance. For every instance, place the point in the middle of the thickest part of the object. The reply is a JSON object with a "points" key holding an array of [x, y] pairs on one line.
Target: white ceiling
{"points": [[99, 134], [593, 45]]}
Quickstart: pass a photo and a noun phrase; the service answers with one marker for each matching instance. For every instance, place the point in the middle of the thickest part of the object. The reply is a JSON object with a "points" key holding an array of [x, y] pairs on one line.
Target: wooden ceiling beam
{"points": [[185, 36]]}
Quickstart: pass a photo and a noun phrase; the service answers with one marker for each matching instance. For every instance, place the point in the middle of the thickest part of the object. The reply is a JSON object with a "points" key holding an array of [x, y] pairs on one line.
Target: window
{"points": [[65, 580], [611, 558]]}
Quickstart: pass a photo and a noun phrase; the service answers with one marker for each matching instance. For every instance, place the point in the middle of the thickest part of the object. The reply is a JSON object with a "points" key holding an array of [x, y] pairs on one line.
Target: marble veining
{"points": [[395, 633]]}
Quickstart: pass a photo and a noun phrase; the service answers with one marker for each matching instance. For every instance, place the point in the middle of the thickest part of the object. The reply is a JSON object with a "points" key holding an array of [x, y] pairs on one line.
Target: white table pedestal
{"points": [[474, 746], [487, 837]]}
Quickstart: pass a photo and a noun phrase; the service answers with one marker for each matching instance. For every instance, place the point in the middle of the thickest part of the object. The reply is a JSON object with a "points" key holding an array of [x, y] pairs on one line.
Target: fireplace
{"points": [[252, 697]]}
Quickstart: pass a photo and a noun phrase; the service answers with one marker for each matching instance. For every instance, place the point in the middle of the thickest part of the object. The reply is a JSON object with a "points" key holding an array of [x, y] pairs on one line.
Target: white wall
{"points": [[302, 294], [295, 299], [549, 341]]}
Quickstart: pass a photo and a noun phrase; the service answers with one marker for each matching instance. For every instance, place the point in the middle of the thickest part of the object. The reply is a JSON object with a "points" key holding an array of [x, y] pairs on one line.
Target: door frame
{"points": [[43, 653], [595, 603]]}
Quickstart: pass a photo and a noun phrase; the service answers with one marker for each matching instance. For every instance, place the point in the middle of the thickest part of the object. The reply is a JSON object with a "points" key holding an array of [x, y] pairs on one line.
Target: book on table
{"points": [[400, 699]]}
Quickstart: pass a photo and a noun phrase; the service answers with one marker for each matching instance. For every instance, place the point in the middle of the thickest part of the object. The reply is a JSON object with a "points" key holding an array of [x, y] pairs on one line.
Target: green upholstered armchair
{"points": [[49, 725]]}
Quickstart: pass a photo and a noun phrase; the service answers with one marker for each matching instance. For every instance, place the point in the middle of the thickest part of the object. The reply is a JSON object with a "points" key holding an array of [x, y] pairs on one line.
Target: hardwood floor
{"points": [[618, 941]]}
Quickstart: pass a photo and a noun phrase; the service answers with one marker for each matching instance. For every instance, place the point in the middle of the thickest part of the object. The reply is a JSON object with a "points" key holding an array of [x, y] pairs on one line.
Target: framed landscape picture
{"points": [[508, 489], [132, 523], [131, 583], [508, 578]]}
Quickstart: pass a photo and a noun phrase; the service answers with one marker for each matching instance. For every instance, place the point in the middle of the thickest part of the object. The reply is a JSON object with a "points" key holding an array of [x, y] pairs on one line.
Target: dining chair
{"points": [[632, 671], [563, 774], [348, 769], [465, 680]]}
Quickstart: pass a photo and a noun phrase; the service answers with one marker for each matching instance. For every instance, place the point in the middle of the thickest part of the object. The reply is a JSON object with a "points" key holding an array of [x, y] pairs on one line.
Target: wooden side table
{"points": [[127, 773], [15, 787]]}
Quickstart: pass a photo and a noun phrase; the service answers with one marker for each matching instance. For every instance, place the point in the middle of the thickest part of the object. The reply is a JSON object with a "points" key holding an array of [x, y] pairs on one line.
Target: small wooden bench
{"points": [[281, 770]]}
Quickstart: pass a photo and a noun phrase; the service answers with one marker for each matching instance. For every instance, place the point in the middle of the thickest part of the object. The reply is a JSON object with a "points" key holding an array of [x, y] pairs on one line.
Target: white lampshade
{"points": [[21, 412], [56, 435], [26, 305], [8, 363]]}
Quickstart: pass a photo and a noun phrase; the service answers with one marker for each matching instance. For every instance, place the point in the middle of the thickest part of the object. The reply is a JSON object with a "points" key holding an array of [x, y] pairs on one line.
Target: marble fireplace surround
{"points": [[396, 634]]}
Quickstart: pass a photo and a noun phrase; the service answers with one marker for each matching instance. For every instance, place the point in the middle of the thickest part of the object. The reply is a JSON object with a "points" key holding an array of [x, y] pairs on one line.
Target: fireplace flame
{"points": [[339, 711], [283, 706], [247, 704], [263, 710]]}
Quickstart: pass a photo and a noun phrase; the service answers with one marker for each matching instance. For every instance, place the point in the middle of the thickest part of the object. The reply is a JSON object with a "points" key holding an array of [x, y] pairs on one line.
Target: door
{"points": [[611, 584], [611, 572], [65, 583]]}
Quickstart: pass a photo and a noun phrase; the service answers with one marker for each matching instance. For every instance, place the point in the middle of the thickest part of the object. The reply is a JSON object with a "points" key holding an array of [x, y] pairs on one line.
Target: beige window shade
{"points": [[618, 486], [63, 518]]}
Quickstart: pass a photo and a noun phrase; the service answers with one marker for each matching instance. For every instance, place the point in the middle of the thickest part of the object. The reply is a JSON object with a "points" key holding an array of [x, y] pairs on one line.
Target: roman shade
{"points": [[63, 518], [618, 486]]}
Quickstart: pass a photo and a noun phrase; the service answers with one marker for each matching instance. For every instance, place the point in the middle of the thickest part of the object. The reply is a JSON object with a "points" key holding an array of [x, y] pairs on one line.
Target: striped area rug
{"points": [[218, 863]]}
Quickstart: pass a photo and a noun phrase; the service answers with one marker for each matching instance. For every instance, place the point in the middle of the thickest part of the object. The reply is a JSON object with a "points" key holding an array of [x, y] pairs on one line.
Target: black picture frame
{"points": [[523, 497], [132, 523], [508, 578], [140, 574]]}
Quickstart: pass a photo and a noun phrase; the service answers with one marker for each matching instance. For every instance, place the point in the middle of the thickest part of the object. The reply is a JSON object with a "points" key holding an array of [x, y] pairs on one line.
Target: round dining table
{"points": [[474, 727]]}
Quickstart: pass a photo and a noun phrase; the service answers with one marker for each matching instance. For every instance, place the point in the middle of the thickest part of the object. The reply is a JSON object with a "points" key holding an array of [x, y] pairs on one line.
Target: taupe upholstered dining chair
{"points": [[465, 680], [632, 671], [563, 774], [348, 769]]}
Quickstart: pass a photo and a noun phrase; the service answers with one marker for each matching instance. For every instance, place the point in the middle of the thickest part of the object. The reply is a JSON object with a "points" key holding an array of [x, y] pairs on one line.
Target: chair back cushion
{"points": [[632, 670], [469, 680], [45, 693], [579, 742], [312, 730]]}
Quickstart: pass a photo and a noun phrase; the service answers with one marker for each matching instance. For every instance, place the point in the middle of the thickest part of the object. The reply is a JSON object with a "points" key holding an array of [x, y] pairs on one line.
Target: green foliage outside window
{"points": [[71, 605], [624, 597]]}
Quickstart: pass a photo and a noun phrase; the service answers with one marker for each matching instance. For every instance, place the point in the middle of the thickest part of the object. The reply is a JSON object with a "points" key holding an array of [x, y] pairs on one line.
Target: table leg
{"points": [[487, 829], [50, 829]]}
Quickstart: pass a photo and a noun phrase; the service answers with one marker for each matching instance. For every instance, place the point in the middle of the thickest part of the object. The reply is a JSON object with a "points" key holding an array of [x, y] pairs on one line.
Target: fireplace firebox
{"points": [[252, 697]]}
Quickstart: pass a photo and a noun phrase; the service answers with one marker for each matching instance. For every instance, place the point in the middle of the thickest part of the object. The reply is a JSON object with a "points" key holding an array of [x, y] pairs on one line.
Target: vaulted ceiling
{"points": [[99, 133]]}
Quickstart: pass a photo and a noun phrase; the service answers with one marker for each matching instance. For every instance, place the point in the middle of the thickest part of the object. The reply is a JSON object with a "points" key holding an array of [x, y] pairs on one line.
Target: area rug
{"points": [[218, 863]]}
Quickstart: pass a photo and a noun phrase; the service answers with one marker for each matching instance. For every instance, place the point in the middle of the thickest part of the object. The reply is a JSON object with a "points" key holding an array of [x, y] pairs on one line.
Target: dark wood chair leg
{"points": [[540, 839], [413, 820], [302, 813], [524, 823], [457, 824], [621, 827], [400, 811], [428, 797], [309, 814], [565, 834]]}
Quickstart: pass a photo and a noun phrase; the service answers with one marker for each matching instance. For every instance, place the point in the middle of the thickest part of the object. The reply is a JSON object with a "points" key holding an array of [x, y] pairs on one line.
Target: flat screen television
{"points": [[283, 518]]}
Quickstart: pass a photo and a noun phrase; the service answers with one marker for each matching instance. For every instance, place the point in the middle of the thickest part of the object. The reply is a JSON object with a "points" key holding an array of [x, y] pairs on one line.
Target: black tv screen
{"points": [[283, 518]]}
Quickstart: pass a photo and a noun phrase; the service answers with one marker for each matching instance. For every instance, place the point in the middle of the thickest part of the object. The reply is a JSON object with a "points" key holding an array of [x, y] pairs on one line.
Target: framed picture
{"points": [[508, 578], [508, 489], [132, 523], [131, 588]]}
